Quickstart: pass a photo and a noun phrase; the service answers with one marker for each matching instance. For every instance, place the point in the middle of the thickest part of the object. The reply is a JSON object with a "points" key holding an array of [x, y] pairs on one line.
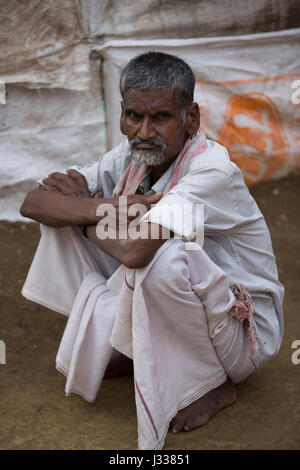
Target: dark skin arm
{"points": [[134, 254], [65, 201], [57, 210]]}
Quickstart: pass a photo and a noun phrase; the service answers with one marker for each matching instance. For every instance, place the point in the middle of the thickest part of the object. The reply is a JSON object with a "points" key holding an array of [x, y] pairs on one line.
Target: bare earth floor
{"points": [[35, 414]]}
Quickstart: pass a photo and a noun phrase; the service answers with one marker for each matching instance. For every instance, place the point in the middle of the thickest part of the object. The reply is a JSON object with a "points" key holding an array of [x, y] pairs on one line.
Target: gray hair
{"points": [[159, 71]]}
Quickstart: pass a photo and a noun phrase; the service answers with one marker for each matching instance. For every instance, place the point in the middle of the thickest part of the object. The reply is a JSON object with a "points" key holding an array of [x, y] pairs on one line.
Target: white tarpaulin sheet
{"points": [[244, 90], [42, 44], [54, 113], [46, 43], [148, 19], [44, 130]]}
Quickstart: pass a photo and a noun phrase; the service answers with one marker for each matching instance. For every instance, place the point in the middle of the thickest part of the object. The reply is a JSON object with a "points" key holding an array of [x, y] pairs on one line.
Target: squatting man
{"points": [[189, 323]]}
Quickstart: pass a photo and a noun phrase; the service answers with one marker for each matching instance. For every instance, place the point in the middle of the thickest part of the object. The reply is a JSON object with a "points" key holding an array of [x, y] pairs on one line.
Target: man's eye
{"points": [[132, 115], [162, 115]]}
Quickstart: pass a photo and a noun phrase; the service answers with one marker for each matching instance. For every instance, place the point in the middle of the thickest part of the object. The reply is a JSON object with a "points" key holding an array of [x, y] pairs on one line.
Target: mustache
{"points": [[156, 142]]}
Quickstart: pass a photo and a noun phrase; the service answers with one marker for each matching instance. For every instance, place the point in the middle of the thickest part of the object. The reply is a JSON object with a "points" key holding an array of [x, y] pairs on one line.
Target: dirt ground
{"points": [[35, 414]]}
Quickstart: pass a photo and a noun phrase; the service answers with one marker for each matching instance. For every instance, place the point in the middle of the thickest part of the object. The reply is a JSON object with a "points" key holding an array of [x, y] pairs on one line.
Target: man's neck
{"points": [[159, 170]]}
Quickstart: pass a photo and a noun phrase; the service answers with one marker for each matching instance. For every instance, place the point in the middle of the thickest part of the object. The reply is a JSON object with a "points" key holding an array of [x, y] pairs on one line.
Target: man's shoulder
{"points": [[215, 156], [215, 162], [117, 157]]}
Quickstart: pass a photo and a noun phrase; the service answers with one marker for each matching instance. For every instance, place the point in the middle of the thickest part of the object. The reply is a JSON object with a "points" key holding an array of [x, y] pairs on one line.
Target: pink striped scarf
{"points": [[135, 173]]}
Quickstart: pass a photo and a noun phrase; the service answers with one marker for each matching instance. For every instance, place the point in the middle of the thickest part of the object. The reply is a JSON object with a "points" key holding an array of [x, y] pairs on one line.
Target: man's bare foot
{"points": [[198, 413], [118, 365]]}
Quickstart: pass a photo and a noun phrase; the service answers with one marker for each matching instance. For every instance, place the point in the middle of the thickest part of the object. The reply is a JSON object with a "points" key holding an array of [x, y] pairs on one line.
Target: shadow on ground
{"points": [[35, 414]]}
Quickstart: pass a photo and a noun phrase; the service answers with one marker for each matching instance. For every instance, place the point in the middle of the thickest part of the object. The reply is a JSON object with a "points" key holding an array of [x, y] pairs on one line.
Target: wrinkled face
{"points": [[153, 122]]}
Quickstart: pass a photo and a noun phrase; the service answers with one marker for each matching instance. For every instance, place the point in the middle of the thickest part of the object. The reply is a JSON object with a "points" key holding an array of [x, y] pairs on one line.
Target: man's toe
{"points": [[194, 422], [177, 423]]}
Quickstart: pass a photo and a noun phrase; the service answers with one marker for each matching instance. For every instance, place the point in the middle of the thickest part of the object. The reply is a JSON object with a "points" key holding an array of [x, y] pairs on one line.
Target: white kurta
{"points": [[236, 236], [170, 317]]}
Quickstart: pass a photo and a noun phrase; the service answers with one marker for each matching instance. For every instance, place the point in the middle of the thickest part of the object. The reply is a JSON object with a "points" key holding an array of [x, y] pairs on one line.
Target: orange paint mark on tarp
{"points": [[253, 133]]}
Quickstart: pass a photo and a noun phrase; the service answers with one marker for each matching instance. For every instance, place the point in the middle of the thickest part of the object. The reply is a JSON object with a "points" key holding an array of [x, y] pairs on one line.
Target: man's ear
{"points": [[192, 123], [122, 119]]}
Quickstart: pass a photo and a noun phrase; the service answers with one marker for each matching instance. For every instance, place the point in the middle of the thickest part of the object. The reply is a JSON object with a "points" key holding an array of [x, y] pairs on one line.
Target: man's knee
{"points": [[169, 268]]}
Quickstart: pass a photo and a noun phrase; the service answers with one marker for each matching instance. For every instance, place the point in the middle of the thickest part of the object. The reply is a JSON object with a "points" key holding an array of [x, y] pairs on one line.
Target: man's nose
{"points": [[146, 130]]}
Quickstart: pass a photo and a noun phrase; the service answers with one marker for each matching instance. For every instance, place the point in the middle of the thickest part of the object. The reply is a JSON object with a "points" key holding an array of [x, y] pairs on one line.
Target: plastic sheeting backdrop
{"points": [[54, 113]]}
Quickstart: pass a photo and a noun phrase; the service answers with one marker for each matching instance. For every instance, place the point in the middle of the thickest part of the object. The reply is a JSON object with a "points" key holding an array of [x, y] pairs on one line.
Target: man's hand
{"points": [[146, 200], [63, 200], [73, 184], [133, 253], [121, 214]]}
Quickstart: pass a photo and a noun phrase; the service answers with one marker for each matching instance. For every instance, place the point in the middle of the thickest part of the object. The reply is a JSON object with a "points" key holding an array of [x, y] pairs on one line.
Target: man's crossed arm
{"points": [[65, 200]]}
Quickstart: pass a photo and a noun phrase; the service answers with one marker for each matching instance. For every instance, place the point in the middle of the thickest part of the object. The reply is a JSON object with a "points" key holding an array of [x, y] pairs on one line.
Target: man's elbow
{"points": [[134, 258], [138, 254], [135, 261], [26, 207], [31, 204]]}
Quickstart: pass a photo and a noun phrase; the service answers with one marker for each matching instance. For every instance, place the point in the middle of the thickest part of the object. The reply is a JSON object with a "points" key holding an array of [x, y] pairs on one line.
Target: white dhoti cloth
{"points": [[171, 318]]}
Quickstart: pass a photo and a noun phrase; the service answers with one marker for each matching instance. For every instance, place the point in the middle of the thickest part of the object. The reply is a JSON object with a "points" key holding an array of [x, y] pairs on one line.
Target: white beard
{"points": [[148, 157]]}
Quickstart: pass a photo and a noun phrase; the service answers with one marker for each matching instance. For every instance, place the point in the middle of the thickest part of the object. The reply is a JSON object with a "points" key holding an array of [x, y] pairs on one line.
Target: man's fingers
{"points": [[78, 177], [45, 187], [60, 186], [60, 177], [142, 199], [154, 198], [71, 184], [98, 194], [51, 181], [80, 181]]}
